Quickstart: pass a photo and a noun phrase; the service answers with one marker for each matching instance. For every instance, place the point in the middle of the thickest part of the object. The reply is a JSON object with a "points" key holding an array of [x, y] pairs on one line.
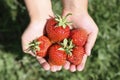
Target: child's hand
{"points": [[33, 31], [83, 20], [39, 11]]}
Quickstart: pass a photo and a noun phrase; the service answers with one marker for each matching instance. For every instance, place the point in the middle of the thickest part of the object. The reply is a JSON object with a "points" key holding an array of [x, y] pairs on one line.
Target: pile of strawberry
{"points": [[60, 42]]}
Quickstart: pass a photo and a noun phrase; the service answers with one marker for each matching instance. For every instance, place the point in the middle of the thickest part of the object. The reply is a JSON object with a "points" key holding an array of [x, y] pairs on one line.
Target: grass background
{"points": [[103, 64]]}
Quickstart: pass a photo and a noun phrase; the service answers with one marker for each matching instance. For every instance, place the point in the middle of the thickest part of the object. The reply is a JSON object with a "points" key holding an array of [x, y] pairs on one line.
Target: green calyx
{"points": [[62, 21], [34, 46], [67, 46]]}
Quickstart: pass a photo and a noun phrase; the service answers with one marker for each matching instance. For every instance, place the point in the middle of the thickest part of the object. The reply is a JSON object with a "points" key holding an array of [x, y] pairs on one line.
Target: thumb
{"points": [[90, 42]]}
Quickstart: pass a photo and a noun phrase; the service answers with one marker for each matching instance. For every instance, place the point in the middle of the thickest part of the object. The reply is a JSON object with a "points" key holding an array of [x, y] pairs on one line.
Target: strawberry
{"points": [[40, 46], [76, 56], [78, 36], [56, 55], [57, 28], [75, 53]]}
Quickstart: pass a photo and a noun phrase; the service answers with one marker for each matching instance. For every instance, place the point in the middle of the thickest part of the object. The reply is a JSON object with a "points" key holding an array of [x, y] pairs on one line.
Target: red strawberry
{"points": [[57, 28], [75, 53], [56, 56], [79, 37], [76, 56], [40, 46]]}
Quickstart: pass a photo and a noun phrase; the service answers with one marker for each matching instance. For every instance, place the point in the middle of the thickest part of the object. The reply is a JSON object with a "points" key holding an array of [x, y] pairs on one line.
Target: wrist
{"points": [[39, 9], [37, 23], [77, 6], [78, 12], [41, 17]]}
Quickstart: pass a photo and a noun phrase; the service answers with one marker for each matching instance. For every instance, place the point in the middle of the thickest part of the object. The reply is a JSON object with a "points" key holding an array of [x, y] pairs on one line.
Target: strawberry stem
{"points": [[68, 46], [34, 46], [62, 21]]}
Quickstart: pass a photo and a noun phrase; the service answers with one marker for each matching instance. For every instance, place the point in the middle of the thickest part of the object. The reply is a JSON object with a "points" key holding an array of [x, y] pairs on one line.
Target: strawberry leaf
{"points": [[61, 49], [62, 21], [34, 46], [67, 45]]}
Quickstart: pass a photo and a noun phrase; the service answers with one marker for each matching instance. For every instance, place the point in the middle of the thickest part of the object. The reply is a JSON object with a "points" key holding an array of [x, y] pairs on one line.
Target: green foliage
{"points": [[103, 64]]}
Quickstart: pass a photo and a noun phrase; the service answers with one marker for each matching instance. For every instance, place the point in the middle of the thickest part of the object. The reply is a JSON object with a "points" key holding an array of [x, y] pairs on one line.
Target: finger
{"points": [[40, 59], [25, 48], [24, 44], [72, 68], [59, 68], [67, 65], [53, 68], [81, 66], [46, 66], [31, 53], [43, 62], [26, 40], [90, 42]]}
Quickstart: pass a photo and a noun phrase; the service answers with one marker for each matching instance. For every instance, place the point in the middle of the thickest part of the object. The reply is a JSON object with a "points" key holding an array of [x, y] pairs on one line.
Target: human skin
{"points": [[39, 11], [80, 18]]}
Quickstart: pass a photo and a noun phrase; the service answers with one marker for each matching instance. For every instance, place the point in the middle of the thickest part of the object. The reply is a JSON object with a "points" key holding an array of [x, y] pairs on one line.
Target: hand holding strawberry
{"points": [[71, 49], [85, 22], [39, 13], [74, 53], [40, 46]]}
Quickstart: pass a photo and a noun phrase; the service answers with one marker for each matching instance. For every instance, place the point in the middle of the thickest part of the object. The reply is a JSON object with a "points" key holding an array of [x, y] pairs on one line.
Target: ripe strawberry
{"points": [[79, 37], [56, 56], [40, 46], [76, 56], [75, 53], [57, 28]]}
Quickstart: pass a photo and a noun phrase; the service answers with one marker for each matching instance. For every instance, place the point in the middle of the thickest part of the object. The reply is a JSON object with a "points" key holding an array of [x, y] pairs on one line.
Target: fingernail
{"points": [[72, 70], [80, 67], [38, 57], [46, 66], [67, 65], [59, 68], [53, 69]]}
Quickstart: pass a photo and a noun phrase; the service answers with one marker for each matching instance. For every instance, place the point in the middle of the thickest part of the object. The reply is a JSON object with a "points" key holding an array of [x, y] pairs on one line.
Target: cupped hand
{"points": [[84, 21], [34, 30]]}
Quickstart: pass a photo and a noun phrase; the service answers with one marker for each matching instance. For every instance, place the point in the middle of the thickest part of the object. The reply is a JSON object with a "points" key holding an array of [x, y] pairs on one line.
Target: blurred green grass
{"points": [[103, 64]]}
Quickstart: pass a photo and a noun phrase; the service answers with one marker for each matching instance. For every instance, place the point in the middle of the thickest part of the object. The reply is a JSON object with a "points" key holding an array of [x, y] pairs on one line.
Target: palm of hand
{"points": [[33, 31], [83, 21]]}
